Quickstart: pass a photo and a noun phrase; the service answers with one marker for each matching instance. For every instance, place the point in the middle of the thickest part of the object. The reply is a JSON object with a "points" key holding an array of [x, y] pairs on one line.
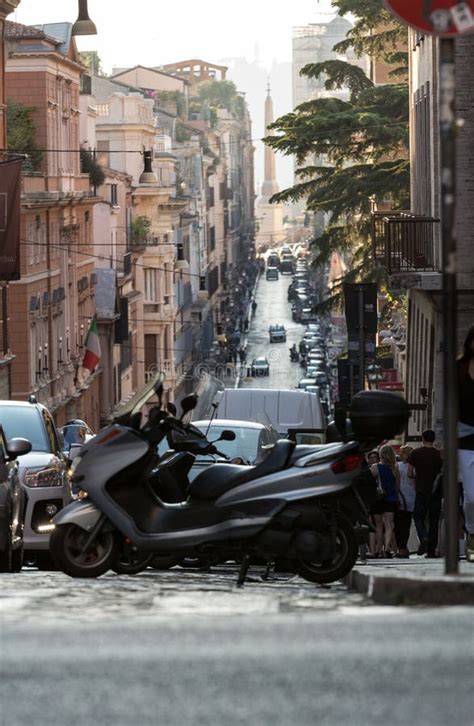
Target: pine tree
{"points": [[362, 141]]}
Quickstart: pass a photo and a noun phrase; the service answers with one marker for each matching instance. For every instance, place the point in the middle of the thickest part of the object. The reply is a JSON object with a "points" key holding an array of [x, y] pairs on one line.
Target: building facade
{"points": [[54, 301]]}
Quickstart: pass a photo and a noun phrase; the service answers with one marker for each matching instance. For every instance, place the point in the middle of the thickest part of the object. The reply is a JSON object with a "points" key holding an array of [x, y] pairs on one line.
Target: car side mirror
{"points": [[227, 435], [18, 447], [74, 450]]}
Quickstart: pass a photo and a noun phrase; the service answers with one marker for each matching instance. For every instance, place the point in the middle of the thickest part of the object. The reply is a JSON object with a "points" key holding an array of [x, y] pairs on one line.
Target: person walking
{"points": [[254, 307], [466, 437], [388, 481], [406, 498], [424, 465]]}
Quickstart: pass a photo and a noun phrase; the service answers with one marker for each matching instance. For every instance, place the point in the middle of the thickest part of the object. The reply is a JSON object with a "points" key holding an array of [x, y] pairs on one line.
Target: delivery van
{"points": [[287, 410]]}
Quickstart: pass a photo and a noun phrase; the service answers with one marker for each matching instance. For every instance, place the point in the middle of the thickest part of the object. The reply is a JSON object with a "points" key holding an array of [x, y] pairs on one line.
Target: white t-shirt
{"points": [[407, 488]]}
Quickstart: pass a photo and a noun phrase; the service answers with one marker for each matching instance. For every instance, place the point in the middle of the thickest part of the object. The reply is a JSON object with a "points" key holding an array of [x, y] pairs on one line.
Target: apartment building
{"points": [[54, 301], [408, 244], [6, 356]]}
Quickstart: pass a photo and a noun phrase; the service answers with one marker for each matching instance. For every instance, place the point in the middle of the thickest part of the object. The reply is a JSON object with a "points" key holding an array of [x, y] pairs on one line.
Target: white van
{"points": [[286, 410]]}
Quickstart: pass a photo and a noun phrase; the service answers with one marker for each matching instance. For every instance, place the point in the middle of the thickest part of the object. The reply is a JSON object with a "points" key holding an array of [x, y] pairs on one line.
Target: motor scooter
{"points": [[299, 504]]}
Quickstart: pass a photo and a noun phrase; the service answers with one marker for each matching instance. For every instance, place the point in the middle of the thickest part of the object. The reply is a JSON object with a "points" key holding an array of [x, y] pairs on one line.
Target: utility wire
{"points": [[327, 132]]}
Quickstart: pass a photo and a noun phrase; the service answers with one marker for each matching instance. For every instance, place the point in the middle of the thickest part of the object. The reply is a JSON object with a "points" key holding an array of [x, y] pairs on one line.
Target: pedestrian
{"points": [[254, 307], [406, 499], [246, 325], [466, 437], [234, 355], [424, 465], [242, 356], [369, 484], [388, 483]]}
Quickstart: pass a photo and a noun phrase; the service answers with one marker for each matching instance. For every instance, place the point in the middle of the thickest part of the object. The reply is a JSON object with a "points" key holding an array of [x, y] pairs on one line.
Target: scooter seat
{"points": [[218, 479]]}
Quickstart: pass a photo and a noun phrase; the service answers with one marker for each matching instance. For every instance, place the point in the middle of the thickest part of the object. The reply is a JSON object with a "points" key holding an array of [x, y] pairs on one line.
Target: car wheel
{"points": [[17, 559], [6, 555]]}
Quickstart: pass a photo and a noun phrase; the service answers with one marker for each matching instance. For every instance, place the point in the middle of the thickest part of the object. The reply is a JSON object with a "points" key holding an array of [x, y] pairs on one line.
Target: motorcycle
{"points": [[299, 504], [294, 355]]}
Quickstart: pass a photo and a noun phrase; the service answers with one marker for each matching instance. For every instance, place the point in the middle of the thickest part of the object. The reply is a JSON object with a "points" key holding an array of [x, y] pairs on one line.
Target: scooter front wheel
{"points": [[342, 562], [68, 548]]}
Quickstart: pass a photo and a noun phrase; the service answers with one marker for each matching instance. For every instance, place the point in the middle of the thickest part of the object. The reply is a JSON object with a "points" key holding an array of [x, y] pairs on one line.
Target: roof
{"points": [[18, 30], [147, 68], [21, 404], [57, 34]]}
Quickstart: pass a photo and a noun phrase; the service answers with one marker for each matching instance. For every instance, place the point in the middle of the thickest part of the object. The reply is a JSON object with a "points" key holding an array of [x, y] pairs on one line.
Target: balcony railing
{"points": [[404, 242]]}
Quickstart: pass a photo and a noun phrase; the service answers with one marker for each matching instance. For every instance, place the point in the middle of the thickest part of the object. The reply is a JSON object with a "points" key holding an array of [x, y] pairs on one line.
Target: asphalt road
{"points": [[183, 648], [273, 308]]}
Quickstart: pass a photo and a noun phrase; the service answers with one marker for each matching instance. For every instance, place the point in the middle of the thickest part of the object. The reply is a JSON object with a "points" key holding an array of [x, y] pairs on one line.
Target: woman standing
{"points": [[466, 436], [406, 500], [388, 479]]}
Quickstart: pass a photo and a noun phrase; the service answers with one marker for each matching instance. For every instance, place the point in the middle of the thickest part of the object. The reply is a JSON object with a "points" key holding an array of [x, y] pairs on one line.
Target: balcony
{"points": [[403, 242]]}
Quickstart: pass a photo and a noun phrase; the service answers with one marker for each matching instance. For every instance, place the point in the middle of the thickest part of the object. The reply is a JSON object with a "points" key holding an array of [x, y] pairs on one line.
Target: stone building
{"points": [[54, 301], [6, 356], [409, 244]]}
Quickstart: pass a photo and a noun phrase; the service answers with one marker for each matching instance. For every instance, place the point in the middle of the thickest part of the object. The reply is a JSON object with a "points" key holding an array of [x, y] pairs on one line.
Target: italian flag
{"points": [[92, 348]]}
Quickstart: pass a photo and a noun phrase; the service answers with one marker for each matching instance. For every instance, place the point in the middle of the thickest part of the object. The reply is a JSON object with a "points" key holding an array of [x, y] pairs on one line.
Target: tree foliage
{"points": [[21, 133], [221, 94], [92, 61], [89, 165], [351, 148]]}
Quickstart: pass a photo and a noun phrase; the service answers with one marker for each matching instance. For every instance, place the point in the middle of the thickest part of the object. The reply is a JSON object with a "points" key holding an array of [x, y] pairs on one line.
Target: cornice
{"points": [[8, 6]]}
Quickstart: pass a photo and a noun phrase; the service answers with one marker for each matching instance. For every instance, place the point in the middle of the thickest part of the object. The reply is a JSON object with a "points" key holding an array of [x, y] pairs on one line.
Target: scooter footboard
{"points": [[83, 514]]}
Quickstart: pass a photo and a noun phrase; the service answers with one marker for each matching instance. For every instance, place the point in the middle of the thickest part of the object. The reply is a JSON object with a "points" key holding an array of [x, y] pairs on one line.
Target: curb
{"points": [[389, 590]]}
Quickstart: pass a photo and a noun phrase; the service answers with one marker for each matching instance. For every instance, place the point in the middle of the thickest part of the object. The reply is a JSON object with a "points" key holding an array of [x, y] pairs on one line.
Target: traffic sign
{"points": [[437, 17]]}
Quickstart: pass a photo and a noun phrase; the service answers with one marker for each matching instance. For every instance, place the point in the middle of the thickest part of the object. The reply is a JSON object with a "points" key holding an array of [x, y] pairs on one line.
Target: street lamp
{"points": [[147, 176], [83, 24]]}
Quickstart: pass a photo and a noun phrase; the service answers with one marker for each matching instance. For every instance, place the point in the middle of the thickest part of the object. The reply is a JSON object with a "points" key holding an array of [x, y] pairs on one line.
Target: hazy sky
{"points": [[157, 32]]}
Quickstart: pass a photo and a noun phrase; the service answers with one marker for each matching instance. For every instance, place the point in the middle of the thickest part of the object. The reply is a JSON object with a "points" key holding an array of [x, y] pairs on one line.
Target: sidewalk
{"points": [[241, 369], [413, 582]]}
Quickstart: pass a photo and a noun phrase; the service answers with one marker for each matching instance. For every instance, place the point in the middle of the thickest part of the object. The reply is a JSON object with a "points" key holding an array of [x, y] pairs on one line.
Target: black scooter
{"points": [[299, 504]]}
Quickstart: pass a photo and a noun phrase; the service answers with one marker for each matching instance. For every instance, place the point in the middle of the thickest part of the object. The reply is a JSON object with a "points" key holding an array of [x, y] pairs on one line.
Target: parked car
{"points": [[12, 504], [75, 432], [272, 273], [277, 333], [43, 472], [252, 444], [273, 260], [260, 367], [304, 383]]}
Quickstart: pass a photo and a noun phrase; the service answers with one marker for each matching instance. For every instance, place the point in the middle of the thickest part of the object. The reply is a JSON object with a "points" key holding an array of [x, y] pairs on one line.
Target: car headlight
{"points": [[51, 477]]}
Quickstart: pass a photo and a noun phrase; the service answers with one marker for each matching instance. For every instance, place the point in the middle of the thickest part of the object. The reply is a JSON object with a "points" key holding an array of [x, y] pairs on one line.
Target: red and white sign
{"points": [[437, 17]]}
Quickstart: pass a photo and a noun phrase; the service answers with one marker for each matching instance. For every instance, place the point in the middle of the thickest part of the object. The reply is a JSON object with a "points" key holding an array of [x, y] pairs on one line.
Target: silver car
{"points": [[43, 472]]}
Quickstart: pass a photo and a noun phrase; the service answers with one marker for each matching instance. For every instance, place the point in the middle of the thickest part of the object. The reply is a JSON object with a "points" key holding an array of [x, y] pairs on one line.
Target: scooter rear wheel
{"points": [[131, 560], [340, 565], [66, 545]]}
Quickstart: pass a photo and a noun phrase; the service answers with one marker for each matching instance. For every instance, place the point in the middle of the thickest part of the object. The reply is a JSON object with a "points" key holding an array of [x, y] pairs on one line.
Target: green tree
{"points": [[139, 230], [89, 165], [21, 133], [358, 146], [221, 94], [92, 61]]}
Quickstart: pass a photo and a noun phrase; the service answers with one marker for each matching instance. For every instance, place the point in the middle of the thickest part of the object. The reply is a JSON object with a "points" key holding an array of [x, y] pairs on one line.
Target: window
{"points": [[114, 195], [23, 421], [152, 287]]}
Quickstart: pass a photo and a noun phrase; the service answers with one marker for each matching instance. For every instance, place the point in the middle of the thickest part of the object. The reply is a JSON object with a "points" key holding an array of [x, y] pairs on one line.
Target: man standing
{"points": [[424, 465]]}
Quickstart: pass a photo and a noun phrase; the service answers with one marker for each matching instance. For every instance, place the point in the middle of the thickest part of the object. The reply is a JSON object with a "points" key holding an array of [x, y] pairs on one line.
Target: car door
{"points": [[11, 492], [56, 448]]}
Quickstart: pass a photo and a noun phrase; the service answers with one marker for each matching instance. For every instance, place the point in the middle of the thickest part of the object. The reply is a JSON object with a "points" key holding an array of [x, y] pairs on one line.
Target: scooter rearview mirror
{"points": [[227, 435], [172, 408], [189, 403]]}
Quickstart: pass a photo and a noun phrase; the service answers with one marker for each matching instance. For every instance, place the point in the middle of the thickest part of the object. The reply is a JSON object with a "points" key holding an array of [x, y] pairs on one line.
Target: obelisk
{"points": [[270, 216]]}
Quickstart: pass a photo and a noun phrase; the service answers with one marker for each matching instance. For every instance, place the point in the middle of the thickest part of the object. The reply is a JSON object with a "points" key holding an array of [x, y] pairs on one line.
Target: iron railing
{"points": [[404, 242]]}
